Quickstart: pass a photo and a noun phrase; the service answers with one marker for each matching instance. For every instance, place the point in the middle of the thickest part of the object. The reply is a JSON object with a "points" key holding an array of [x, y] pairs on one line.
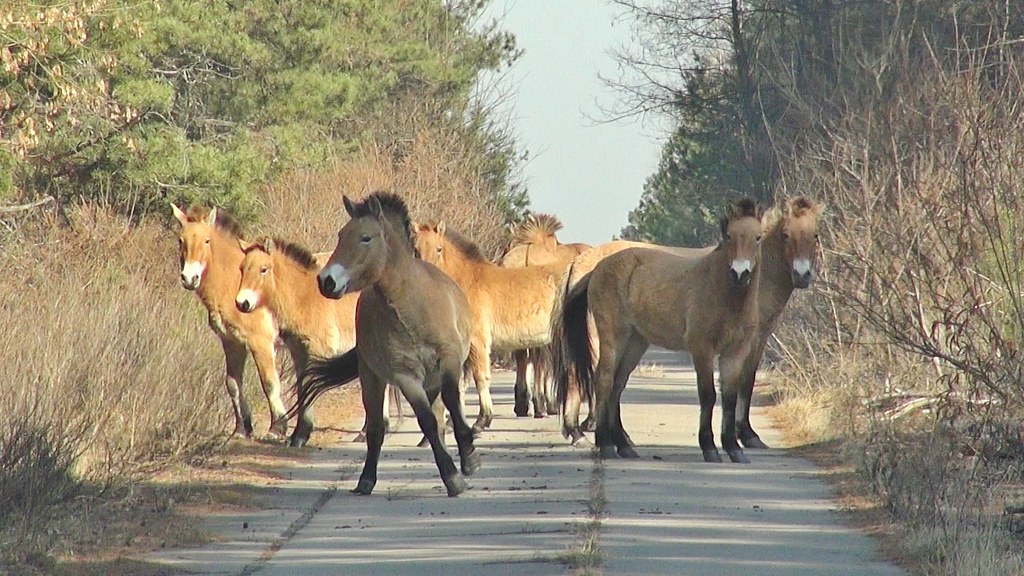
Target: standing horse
{"points": [[789, 251], [534, 243], [413, 326], [210, 258], [281, 276], [639, 297], [511, 306]]}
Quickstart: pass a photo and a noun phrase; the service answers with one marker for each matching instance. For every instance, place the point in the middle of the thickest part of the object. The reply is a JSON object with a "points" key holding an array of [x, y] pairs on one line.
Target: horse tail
{"points": [[325, 374], [571, 356]]}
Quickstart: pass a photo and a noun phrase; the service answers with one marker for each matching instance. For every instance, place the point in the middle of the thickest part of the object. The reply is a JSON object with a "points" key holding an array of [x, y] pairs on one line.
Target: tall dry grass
{"points": [[109, 368]]}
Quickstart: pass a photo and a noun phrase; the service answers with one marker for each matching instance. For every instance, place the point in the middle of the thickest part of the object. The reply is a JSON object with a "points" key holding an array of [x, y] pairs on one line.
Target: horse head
{"points": [[800, 239], [257, 273], [378, 225], [741, 238], [194, 243], [429, 242]]}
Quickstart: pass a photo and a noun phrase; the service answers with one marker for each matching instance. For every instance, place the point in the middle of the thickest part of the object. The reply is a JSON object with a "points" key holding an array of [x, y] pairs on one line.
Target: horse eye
{"points": [[264, 270], [207, 240], [758, 239], [365, 239], [439, 248], [785, 235]]}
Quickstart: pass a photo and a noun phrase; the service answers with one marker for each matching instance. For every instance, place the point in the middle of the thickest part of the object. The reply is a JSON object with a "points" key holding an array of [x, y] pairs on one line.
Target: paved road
{"points": [[537, 503]]}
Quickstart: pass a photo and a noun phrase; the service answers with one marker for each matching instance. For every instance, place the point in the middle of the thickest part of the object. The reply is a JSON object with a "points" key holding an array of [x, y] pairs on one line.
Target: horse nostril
{"points": [[326, 284]]}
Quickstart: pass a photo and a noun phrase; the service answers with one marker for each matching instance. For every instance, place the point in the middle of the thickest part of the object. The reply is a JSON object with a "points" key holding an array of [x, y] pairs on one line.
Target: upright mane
{"points": [[393, 208], [741, 208], [297, 253], [464, 245], [225, 221], [797, 207], [535, 227]]}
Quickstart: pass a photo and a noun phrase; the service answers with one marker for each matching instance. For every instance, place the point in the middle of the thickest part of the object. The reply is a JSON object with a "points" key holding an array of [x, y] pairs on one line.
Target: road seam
{"points": [[585, 556]]}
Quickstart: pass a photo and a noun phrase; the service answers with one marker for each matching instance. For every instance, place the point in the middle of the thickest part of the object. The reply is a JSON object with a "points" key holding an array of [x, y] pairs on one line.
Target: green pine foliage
{"points": [[136, 102]]}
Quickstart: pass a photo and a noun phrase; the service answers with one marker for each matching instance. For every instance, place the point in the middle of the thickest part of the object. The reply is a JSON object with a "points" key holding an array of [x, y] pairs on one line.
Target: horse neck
{"points": [[223, 271], [463, 268], [295, 296], [396, 277], [720, 288], [776, 281]]}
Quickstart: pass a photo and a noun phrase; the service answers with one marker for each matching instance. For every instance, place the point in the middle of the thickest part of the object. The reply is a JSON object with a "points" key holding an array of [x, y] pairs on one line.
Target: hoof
{"points": [[280, 428], [627, 452], [539, 414], [522, 411], [423, 443], [471, 463], [456, 485], [361, 437], [607, 452], [582, 442], [365, 487], [297, 441], [588, 425], [753, 442], [737, 456], [712, 456], [552, 410]]}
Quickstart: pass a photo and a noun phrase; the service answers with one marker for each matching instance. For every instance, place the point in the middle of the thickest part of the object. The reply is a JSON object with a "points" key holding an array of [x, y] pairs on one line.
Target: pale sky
{"points": [[587, 173]]}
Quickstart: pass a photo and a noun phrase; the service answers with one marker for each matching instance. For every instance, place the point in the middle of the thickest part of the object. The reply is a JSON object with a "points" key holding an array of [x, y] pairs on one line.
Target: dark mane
{"points": [[393, 208], [297, 253], [742, 208], [225, 221], [465, 246]]}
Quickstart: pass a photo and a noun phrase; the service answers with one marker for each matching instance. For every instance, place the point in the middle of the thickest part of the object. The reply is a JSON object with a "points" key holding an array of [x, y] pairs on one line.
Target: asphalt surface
{"points": [[538, 506]]}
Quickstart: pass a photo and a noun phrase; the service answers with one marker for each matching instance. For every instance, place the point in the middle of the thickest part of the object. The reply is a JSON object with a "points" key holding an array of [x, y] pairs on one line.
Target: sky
{"points": [[586, 171]]}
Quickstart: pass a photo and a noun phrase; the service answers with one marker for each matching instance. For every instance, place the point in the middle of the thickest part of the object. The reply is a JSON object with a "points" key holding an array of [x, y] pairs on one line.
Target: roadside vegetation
{"points": [[905, 359], [111, 109]]}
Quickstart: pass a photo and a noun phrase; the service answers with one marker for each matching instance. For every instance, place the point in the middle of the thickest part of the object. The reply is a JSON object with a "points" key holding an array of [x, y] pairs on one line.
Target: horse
{"points": [[210, 258], [413, 327], [639, 297], [511, 306], [281, 276], [789, 252], [534, 243]]}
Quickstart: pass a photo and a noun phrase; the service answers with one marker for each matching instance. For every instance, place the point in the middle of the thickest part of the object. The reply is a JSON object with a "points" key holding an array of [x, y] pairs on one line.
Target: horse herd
{"points": [[419, 307]]}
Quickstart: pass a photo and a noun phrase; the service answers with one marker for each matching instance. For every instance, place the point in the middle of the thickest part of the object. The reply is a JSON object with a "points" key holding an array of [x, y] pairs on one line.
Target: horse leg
{"points": [[481, 358], [704, 364], [234, 360], [522, 387], [632, 352], [304, 421], [571, 415], [421, 397], [730, 373], [606, 436], [468, 458], [264, 356], [744, 431], [373, 392], [545, 380]]}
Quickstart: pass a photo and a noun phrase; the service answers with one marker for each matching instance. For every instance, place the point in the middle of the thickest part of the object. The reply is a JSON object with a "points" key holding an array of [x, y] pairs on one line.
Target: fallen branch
{"points": [[29, 206]]}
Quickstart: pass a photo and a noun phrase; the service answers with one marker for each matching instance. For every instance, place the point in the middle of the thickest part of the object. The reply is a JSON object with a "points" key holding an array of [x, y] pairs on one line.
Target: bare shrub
{"points": [[914, 333], [438, 171]]}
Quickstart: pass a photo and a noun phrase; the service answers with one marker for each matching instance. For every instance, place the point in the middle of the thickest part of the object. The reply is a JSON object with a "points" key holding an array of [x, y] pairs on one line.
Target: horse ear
{"points": [[723, 223], [245, 245], [268, 245], [375, 207], [178, 214], [441, 227], [211, 218], [349, 206]]}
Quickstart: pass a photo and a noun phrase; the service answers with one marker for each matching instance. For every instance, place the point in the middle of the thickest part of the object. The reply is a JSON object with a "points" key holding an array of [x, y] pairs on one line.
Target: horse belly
{"points": [[530, 332]]}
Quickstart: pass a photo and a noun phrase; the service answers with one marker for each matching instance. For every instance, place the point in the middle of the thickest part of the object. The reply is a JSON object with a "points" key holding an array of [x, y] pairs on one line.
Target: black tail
{"points": [[572, 357], [323, 375]]}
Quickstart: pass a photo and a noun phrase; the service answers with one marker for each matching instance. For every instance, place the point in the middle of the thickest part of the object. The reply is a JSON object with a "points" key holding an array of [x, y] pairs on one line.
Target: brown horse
{"points": [[210, 258], [639, 297], [535, 243], [511, 306], [413, 326], [789, 252]]}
